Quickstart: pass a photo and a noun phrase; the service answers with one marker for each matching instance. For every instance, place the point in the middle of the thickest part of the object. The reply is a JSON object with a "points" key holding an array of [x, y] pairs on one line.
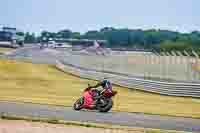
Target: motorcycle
{"points": [[102, 101]]}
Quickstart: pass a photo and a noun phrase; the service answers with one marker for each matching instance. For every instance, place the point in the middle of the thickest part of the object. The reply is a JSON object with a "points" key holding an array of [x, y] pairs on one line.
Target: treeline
{"points": [[131, 38]]}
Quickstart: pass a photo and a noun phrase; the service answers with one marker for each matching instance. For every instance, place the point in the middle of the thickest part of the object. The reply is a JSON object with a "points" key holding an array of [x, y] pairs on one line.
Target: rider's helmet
{"points": [[106, 83]]}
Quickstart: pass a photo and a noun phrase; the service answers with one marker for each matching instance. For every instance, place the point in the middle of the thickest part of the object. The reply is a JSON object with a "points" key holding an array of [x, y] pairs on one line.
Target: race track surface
{"points": [[117, 118]]}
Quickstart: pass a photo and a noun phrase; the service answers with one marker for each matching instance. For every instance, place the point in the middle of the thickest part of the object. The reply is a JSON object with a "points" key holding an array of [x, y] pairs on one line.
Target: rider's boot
{"points": [[93, 105]]}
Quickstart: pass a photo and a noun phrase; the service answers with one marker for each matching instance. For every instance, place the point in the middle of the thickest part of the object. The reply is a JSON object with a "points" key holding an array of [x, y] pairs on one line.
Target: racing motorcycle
{"points": [[102, 101]]}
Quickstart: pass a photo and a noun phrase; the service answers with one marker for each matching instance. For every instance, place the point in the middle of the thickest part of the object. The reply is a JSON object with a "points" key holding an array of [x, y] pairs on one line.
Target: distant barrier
{"points": [[165, 88], [145, 65]]}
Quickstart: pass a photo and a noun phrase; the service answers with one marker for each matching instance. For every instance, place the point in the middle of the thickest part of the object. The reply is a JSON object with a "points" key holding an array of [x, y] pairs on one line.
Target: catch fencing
{"points": [[161, 67], [165, 88]]}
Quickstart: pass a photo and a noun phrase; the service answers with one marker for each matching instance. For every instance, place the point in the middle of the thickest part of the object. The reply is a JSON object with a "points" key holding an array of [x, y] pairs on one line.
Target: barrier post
{"points": [[196, 65], [168, 64], [156, 55], [188, 64]]}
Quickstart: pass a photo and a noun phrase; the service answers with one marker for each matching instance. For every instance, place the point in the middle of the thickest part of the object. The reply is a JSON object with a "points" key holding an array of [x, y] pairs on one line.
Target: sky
{"points": [[84, 15]]}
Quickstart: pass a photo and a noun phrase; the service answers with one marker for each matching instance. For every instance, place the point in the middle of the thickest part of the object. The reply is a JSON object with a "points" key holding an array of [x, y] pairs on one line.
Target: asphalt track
{"points": [[118, 118], [66, 113]]}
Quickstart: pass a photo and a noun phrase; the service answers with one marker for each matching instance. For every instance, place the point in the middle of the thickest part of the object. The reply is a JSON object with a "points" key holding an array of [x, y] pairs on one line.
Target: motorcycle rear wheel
{"points": [[107, 107]]}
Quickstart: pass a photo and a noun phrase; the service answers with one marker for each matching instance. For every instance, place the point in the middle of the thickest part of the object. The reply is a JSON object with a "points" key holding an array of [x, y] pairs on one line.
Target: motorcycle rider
{"points": [[106, 88], [105, 84]]}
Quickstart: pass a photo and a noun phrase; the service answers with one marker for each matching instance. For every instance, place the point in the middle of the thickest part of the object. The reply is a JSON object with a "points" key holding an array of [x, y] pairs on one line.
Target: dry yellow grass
{"points": [[2, 50], [39, 83]]}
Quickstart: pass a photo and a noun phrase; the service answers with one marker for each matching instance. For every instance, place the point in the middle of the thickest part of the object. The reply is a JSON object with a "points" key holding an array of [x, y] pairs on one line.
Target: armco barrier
{"points": [[165, 88]]}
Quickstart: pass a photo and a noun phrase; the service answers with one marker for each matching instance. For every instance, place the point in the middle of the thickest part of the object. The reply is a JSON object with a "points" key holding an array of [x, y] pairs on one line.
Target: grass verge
{"points": [[44, 84], [3, 50], [85, 124]]}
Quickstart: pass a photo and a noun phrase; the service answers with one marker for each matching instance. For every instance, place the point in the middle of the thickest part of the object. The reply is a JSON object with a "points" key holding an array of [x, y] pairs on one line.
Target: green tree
{"points": [[65, 34], [30, 38], [20, 33], [76, 35], [136, 38], [178, 46]]}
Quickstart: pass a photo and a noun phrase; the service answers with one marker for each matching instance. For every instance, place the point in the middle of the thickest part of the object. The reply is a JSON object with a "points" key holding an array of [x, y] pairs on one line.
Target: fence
{"points": [[165, 66], [174, 66], [173, 89]]}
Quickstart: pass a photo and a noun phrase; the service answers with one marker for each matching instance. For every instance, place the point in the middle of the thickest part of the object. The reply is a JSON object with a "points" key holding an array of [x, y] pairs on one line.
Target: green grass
{"points": [[41, 83]]}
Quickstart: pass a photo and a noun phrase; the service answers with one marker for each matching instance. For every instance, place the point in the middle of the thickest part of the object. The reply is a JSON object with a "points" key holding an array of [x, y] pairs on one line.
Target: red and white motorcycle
{"points": [[100, 100]]}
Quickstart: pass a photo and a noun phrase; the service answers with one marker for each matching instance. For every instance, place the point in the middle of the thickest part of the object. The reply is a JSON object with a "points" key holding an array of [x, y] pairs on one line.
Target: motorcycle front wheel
{"points": [[78, 104]]}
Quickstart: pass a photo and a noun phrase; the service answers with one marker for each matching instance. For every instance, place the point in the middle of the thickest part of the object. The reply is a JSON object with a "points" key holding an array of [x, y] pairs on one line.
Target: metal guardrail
{"points": [[165, 88]]}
